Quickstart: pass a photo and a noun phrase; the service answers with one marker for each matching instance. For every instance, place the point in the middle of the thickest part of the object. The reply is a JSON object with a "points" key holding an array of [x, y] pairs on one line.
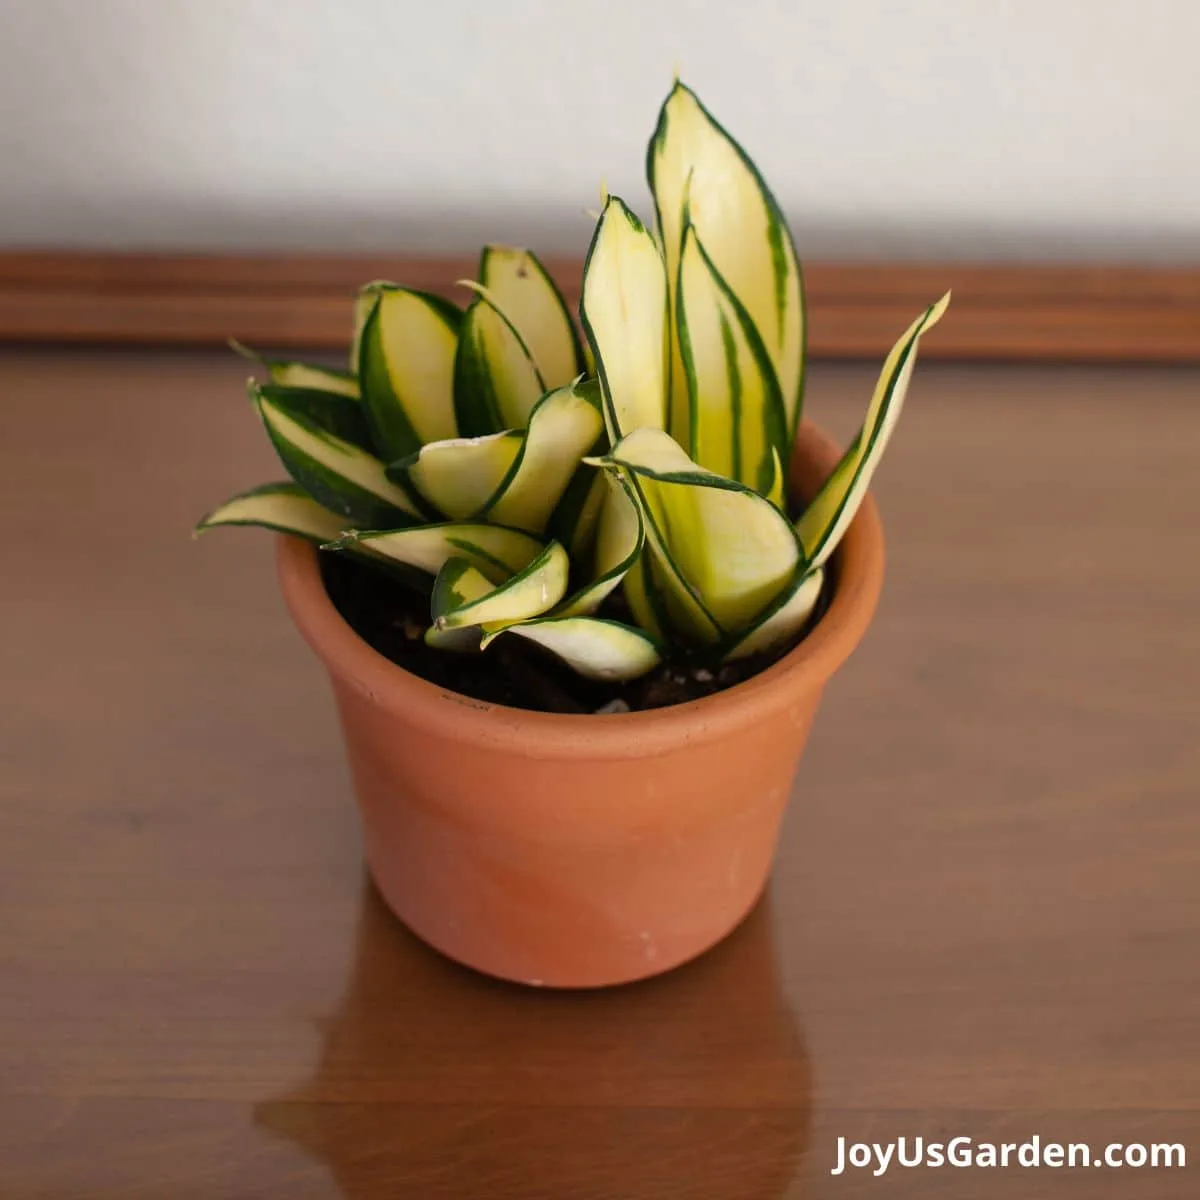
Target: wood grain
{"points": [[1013, 312], [984, 919]]}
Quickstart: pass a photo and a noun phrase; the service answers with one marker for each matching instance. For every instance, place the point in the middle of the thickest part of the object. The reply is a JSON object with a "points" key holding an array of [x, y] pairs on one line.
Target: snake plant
{"points": [[522, 476]]}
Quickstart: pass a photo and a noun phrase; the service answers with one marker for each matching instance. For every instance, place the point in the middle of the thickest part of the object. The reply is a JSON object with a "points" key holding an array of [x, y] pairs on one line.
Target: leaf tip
{"points": [[480, 290], [938, 310]]}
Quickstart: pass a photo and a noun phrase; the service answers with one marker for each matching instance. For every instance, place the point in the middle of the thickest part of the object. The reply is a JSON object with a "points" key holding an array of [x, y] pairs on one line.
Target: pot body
{"points": [[577, 871], [580, 851]]}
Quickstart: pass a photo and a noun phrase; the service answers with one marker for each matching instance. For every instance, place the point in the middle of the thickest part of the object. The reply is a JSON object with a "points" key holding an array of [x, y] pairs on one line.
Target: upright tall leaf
{"points": [[693, 162], [827, 518], [406, 369], [527, 295], [736, 419], [624, 317]]}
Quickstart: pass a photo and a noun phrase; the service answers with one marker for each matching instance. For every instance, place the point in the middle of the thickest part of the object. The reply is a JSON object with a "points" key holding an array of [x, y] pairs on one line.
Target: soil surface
{"points": [[391, 617]]}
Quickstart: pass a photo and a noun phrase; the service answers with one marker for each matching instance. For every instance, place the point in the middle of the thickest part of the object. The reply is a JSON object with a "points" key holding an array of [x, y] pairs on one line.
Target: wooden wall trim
{"points": [[1031, 313]]}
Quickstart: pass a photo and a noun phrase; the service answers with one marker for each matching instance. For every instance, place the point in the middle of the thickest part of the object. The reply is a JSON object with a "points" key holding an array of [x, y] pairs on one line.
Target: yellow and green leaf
{"points": [[497, 552], [784, 618], [457, 584], [288, 508], [563, 426], [722, 551], [283, 507], [332, 411], [523, 290], [364, 304], [577, 514], [619, 541], [736, 421], [827, 518], [529, 593], [460, 476], [591, 646], [496, 379], [642, 595], [624, 310], [302, 375], [693, 164], [339, 475], [406, 369], [777, 492]]}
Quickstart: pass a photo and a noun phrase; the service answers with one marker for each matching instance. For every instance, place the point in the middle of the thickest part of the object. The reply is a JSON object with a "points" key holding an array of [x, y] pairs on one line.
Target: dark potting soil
{"points": [[391, 617]]}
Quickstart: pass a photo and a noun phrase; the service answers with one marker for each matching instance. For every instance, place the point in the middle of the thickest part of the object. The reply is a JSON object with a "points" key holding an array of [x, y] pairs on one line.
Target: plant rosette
{"points": [[519, 507]]}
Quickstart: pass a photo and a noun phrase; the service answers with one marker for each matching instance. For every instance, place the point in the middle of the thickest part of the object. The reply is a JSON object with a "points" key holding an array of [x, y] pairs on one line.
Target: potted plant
{"points": [[578, 598]]}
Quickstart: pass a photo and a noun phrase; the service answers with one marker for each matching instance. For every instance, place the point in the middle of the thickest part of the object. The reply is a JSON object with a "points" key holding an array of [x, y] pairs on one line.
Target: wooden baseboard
{"points": [[1021, 313]]}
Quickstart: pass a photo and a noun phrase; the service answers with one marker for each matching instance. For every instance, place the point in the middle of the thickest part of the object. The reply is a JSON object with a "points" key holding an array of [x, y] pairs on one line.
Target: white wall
{"points": [[973, 128]]}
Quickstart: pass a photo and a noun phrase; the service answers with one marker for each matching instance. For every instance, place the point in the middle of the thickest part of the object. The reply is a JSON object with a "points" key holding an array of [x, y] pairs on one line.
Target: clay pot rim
{"points": [[858, 579]]}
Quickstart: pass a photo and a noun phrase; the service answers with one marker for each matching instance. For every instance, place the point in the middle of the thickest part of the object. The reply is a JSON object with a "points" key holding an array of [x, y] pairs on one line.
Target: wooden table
{"points": [[985, 919]]}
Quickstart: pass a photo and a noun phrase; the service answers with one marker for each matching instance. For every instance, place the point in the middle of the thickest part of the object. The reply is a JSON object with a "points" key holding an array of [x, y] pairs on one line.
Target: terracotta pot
{"points": [[579, 851]]}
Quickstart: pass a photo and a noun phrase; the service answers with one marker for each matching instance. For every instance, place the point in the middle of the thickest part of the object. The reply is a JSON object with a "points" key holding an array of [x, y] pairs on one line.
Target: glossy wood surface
{"points": [[985, 918], [1034, 312]]}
